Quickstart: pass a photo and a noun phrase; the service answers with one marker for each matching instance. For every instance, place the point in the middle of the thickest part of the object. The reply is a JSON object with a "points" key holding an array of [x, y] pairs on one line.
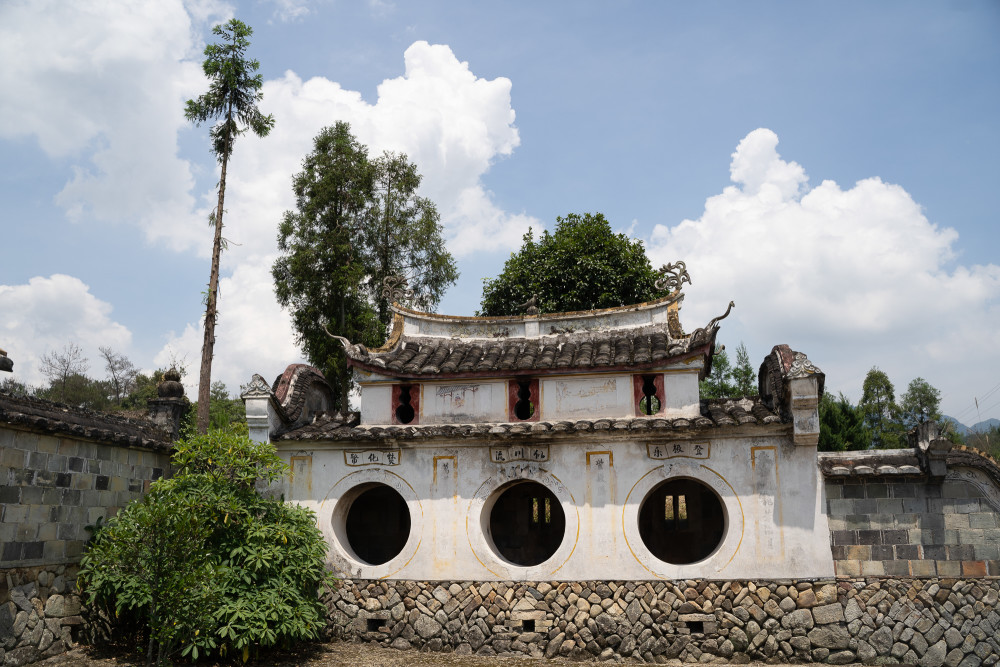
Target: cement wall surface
{"points": [[930, 622], [571, 397]]}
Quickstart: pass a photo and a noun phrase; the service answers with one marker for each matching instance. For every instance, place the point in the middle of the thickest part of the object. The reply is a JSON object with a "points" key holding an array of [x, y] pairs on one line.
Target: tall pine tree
{"points": [[232, 97]]}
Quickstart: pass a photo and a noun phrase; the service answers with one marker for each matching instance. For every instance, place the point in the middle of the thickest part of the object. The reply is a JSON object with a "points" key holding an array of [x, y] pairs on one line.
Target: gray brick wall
{"points": [[912, 527], [53, 486]]}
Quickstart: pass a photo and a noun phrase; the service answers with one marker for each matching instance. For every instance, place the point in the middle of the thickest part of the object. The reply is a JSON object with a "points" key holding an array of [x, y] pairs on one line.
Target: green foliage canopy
{"points": [[356, 222], [920, 403], [726, 380], [582, 265], [210, 564], [878, 405], [842, 425]]}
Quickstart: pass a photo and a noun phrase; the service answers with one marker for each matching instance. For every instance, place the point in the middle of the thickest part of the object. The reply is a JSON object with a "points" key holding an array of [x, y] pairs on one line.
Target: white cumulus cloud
{"points": [[253, 334], [853, 277], [46, 314], [452, 124], [102, 87]]}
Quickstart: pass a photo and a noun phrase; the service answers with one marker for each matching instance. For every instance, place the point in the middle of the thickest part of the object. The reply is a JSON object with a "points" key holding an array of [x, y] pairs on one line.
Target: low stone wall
{"points": [[930, 622], [39, 613]]}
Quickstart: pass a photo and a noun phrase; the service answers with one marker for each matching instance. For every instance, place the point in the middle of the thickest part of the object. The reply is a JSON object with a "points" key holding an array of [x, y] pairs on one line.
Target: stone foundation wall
{"points": [[39, 613], [932, 622], [912, 528]]}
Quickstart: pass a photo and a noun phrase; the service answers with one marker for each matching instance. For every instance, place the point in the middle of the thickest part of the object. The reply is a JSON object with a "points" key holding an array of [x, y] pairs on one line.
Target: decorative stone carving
{"points": [[801, 367], [169, 408], [395, 289], [530, 307], [353, 351], [257, 388], [674, 277]]}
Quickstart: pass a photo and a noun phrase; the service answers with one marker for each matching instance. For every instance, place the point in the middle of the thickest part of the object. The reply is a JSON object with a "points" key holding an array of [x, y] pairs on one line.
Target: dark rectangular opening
{"points": [[528, 625], [375, 624], [696, 627]]}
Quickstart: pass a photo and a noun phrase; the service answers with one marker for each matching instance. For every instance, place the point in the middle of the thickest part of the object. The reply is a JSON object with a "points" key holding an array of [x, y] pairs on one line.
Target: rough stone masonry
{"points": [[927, 622]]}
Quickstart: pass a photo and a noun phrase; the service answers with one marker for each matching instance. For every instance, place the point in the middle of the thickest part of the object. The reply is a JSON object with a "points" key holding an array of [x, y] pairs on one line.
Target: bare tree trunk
{"points": [[208, 347]]}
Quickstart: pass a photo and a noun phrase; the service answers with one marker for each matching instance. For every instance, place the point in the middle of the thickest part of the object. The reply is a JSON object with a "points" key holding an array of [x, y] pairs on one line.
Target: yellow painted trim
{"points": [[576, 539], [611, 457], [394, 335], [416, 549], [743, 520], [735, 495]]}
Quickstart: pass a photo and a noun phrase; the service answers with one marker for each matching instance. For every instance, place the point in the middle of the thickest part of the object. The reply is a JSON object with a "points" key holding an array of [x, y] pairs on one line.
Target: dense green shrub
{"points": [[210, 564]]}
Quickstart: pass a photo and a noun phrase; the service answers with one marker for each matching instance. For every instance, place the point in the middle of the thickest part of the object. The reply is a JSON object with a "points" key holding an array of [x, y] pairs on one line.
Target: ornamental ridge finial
{"points": [[395, 289], [674, 277]]}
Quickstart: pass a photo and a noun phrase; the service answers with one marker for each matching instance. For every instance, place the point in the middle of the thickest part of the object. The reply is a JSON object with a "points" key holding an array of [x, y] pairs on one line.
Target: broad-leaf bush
{"points": [[209, 563]]}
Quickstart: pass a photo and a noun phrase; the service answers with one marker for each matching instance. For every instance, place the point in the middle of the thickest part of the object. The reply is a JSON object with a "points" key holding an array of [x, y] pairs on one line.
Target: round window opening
{"points": [[378, 524], [681, 521], [527, 523]]}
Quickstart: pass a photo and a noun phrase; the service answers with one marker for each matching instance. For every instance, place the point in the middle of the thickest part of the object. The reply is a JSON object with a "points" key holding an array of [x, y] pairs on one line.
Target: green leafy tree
{"points": [[720, 382], [211, 565], [582, 265], [14, 387], [744, 375], [318, 274], [402, 237], [81, 391], [986, 440], [225, 409], [920, 403], [878, 405], [356, 222], [233, 93], [842, 425]]}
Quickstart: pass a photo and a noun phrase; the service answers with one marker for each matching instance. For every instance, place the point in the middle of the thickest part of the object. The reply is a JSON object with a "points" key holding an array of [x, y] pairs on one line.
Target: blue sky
{"points": [[830, 167]]}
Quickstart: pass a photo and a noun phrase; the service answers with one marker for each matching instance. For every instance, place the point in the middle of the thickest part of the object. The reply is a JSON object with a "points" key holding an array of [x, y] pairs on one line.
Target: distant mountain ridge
{"points": [[978, 427]]}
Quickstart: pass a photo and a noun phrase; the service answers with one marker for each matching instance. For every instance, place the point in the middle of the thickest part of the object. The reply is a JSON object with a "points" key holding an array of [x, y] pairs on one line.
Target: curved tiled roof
{"points": [[445, 357], [638, 336], [902, 462], [720, 413], [38, 415]]}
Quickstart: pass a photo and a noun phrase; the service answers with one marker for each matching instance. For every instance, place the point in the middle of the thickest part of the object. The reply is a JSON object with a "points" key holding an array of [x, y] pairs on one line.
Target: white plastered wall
{"points": [[769, 488]]}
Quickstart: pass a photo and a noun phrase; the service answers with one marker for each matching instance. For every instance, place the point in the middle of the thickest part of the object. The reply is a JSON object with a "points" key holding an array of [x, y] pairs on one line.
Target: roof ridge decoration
{"points": [[396, 289], [674, 277]]}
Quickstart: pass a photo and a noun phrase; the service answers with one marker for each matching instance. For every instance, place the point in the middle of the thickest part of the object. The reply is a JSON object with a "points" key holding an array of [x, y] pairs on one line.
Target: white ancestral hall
{"points": [[568, 446]]}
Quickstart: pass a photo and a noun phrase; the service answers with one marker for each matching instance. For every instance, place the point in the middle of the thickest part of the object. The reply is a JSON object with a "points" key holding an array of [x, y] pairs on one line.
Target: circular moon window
{"points": [[378, 524], [681, 521], [527, 523]]}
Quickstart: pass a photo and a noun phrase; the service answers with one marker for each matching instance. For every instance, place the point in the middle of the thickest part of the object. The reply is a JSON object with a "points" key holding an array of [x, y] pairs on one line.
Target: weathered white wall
{"points": [[570, 397], [769, 488]]}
